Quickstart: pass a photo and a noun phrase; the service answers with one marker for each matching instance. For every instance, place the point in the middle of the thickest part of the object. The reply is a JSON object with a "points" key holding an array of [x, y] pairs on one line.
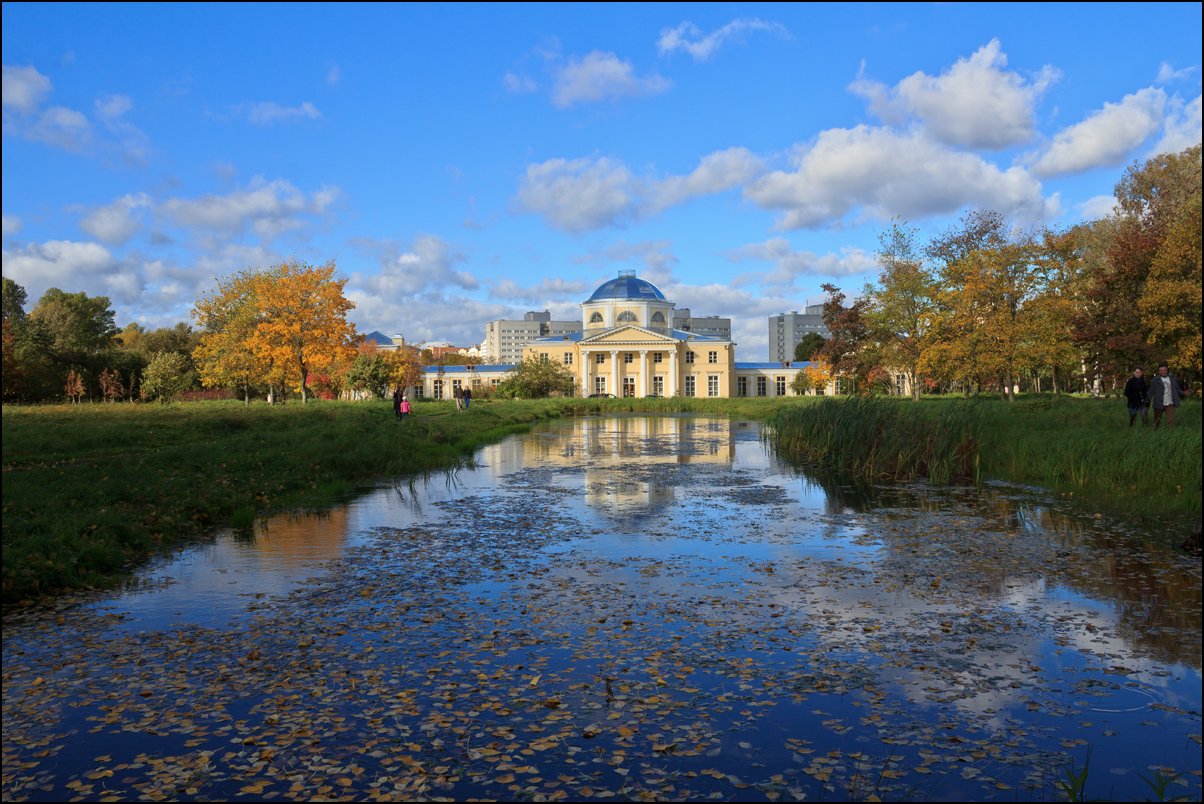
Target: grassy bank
{"points": [[91, 490], [1077, 447]]}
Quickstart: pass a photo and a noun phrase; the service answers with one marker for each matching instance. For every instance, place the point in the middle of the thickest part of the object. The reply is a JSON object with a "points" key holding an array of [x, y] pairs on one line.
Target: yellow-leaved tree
{"points": [[275, 327]]}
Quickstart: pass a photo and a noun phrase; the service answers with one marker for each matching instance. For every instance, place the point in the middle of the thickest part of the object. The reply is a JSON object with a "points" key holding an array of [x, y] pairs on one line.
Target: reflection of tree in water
{"points": [[1153, 587]]}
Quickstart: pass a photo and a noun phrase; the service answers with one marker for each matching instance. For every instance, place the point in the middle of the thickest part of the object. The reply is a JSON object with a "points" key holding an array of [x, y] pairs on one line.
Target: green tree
{"points": [[806, 349], [850, 353], [167, 375], [535, 379], [901, 317]]}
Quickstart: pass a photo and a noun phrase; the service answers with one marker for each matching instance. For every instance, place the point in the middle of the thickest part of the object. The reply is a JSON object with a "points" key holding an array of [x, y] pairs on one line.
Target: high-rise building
{"points": [[711, 325], [787, 329], [505, 339]]}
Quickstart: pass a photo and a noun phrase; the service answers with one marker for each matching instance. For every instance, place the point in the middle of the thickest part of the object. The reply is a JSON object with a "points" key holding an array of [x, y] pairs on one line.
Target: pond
{"points": [[627, 607]]}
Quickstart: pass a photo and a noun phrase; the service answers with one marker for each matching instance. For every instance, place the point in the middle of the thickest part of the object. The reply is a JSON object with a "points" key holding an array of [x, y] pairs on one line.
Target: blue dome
{"points": [[627, 286]]}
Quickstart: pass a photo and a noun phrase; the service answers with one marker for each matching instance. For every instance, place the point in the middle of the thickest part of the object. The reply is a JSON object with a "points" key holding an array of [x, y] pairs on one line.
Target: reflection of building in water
{"points": [[627, 461]]}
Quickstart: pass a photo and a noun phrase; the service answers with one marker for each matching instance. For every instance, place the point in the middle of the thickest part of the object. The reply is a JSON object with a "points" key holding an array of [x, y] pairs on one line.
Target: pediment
{"points": [[628, 335]]}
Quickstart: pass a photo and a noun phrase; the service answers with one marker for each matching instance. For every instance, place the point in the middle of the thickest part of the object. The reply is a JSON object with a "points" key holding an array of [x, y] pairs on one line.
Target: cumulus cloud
{"points": [[265, 113], [1182, 127], [429, 264], [1106, 137], [584, 194], [268, 208], [601, 77], [24, 89], [976, 103], [117, 222], [790, 264], [541, 293], [65, 264], [581, 194], [1097, 207], [1167, 73], [688, 37], [884, 174], [654, 257], [716, 173]]}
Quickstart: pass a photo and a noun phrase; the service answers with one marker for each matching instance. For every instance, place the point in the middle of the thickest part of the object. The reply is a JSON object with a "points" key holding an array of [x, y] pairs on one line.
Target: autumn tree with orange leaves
{"points": [[276, 327]]}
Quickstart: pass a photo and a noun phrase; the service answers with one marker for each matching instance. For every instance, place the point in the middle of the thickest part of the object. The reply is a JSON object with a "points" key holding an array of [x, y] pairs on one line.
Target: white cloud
{"points": [[269, 208], [111, 111], [581, 194], [117, 222], [267, 112], [884, 174], [428, 265], [1167, 73], [1182, 127], [585, 194], [1106, 137], [688, 37], [12, 225], [69, 265], [602, 77], [519, 84], [654, 256], [716, 172], [1097, 207], [333, 75], [790, 264], [976, 103], [541, 294], [24, 89]]}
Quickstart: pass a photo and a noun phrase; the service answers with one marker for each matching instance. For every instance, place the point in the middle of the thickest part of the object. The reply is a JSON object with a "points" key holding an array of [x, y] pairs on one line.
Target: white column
{"points": [[585, 356], [644, 371], [672, 389], [614, 373]]}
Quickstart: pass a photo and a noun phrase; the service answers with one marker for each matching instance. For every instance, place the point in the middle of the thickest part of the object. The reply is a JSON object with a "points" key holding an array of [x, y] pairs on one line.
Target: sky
{"points": [[464, 163]]}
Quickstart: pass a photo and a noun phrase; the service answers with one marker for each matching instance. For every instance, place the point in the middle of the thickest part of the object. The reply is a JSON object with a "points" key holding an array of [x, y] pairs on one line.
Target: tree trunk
{"points": [[304, 387]]}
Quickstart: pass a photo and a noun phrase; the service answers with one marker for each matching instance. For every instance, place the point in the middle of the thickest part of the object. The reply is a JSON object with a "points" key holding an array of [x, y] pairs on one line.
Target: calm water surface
{"points": [[625, 607]]}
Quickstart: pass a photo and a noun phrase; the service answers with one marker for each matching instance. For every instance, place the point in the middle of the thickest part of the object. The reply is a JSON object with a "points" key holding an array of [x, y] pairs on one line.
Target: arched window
{"points": [[658, 317], [596, 318], [627, 315]]}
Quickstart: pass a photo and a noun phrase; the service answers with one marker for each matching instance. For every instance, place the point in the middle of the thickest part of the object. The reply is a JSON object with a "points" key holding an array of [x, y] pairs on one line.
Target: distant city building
{"points": [[787, 329], [711, 325], [383, 341], [505, 339]]}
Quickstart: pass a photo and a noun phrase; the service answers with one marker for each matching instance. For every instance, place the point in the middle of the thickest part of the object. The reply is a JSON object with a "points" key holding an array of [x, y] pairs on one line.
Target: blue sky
{"points": [[462, 163]]}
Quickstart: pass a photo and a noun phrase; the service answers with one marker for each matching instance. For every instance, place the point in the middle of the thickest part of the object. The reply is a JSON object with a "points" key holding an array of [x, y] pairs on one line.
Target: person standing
{"points": [[405, 406], [1137, 393], [467, 397], [397, 397], [1164, 395], [458, 397]]}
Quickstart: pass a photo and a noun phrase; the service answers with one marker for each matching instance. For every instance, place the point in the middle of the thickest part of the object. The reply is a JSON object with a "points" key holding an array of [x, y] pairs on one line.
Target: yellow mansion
{"points": [[628, 347]]}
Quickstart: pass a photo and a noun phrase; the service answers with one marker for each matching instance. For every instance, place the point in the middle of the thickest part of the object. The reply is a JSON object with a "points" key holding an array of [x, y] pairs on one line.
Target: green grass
{"points": [[1080, 448], [92, 491]]}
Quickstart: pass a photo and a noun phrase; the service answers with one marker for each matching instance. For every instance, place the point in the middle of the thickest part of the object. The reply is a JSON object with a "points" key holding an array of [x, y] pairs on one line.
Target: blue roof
{"points": [[796, 364], [378, 337], [628, 287]]}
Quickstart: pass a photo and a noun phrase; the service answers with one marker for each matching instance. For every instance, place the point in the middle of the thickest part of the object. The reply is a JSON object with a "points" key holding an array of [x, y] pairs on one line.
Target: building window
{"points": [[658, 317], [900, 384], [437, 389], [627, 315], [742, 386], [628, 358], [780, 386], [761, 386], [690, 379], [712, 357], [689, 356], [629, 386], [568, 358], [456, 386], [543, 357], [599, 385], [599, 358], [658, 385], [657, 357], [712, 385], [596, 318]]}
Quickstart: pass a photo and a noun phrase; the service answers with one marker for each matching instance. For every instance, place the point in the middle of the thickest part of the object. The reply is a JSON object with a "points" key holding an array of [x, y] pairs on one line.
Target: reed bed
{"points": [[1081, 448]]}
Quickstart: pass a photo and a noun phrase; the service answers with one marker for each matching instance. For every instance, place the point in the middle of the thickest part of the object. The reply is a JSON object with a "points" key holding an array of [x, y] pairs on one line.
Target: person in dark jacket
{"points": [[397, 395], [1137, 393], [1165, 396]]}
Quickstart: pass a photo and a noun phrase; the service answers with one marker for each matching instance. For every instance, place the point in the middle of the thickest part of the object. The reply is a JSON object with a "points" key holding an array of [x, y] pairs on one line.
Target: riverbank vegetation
{"points": [[1077, 447], [92, 490]]}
